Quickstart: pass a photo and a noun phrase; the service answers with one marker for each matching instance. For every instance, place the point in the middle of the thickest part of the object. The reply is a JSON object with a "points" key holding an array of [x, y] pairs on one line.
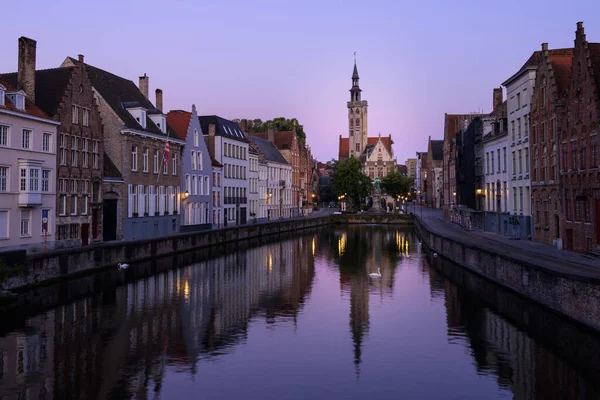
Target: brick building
{"points": [[435, 158], [142, 193], [66, 95], [452, 124], [579, 174], [547, 109]]}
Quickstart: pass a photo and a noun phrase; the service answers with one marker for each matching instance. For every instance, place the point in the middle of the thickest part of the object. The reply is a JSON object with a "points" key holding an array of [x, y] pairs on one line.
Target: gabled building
{"points": [[358, 144], [229, 147], [66, 95], [547, 111], [27, 166], [579, 172], [378, 158], [196, 171], [146, 153], [435, 159], [278, 196]]}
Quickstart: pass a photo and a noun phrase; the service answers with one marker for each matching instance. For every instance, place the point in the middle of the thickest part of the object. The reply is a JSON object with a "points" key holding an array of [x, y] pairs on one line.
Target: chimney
{"points": [[26, 73], [211, 130], [497, 98], [144, 85], [271, 135], [579, 25], [159, 99], [243, 125], [80, 58], [544, 46]]}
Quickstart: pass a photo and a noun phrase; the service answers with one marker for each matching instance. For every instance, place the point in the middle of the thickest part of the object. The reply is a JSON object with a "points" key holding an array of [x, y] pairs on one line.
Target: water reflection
{"points": [[176, 332]]}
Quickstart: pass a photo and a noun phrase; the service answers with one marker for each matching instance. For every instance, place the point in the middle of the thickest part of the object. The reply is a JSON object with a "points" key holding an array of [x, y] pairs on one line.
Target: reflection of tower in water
{"points": [[359, 315]]}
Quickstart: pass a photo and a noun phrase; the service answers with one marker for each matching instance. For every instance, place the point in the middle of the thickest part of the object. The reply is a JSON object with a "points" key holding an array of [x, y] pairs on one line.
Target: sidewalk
{"points": [[534, 253]]}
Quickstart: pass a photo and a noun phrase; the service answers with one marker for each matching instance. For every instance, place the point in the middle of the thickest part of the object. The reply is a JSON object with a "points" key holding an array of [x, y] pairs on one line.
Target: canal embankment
{"points": [[19, 274], [569, 288]]}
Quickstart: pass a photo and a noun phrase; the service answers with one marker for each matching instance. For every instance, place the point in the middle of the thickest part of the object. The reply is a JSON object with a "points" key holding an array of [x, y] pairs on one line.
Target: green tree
{"points": [[349, 180], [279, 124], [395, 184]]}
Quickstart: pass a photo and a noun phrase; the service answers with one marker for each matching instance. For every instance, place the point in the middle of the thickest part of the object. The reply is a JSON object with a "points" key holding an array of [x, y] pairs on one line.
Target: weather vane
{"points": [[354, 56]]}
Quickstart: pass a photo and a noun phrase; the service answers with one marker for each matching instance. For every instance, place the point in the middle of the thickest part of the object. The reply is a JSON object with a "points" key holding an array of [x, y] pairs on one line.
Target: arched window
{"points": [[357, 122]]}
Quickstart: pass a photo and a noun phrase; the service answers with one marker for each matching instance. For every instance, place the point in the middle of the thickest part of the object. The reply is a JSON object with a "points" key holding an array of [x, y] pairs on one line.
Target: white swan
{"points": [[376, 275], [122, 266], [435, 254]]}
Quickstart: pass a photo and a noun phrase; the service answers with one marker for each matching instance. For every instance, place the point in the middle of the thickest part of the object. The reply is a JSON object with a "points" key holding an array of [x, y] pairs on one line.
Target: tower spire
{"points": [[355, 91]]}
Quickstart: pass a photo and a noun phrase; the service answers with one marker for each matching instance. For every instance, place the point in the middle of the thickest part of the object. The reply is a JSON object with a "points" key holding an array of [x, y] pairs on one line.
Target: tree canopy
{"points": [[348, 179], [395, 184], [279, 124]]}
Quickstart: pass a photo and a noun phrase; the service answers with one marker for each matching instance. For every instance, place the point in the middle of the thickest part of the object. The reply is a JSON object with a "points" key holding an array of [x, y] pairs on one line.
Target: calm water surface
{"points": [[301, 319]]}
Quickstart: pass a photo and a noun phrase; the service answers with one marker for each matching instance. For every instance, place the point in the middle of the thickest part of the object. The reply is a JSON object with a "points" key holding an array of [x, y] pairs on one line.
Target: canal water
{"points": [[296, 319]]}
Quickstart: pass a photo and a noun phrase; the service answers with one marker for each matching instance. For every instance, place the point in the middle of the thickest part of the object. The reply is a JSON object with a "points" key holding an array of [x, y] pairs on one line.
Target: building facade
{"points": [[421, 179], [494, 195], [579, 173], [229, 147], [378, 159], [196, 171], [547, 109], [217, 193], [66, 95], [519, 88], [141, 197], [27, 169], [253, 177], [411, 165], [435, 180], [278, 196]]}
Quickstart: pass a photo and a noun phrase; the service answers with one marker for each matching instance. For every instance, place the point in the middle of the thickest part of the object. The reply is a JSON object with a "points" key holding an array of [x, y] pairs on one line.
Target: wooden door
{"points": [[109, 219], [95, 224], [85, 234], [569, 239]]}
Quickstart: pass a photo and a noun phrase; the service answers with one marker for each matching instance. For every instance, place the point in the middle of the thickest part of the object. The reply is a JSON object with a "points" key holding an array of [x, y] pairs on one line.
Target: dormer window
{"points": [[18, 99], [2, 94], [139, 114], [160, 120]]}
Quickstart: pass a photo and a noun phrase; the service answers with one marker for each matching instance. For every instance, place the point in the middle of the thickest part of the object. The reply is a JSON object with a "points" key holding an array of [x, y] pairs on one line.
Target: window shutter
{"points": [[129, 200]]}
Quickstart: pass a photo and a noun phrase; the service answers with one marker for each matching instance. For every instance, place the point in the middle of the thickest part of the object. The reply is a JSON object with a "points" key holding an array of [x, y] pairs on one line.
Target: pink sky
{"points": [[269, 58]]}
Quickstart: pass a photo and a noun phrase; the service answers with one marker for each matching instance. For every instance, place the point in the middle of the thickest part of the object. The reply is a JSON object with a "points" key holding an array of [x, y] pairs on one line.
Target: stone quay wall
{"points": [[57, 264], [573, 295]]}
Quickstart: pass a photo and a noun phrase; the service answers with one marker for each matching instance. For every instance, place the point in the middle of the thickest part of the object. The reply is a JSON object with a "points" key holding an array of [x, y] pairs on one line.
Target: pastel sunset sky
{"points": [[269, 58]]}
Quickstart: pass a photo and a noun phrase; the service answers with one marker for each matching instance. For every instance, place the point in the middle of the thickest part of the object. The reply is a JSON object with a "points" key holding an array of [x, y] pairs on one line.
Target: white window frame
{"points": [[145, 160], [4, 136], [25, 230], [85, 116], [74, 201], [155, 158], [193, 157], [26, 138], [134, 160], [47, 142], [196, 137], [74, 114], [84, 205], [4, 178], [6, 227], [45, 184], [174, 166]]}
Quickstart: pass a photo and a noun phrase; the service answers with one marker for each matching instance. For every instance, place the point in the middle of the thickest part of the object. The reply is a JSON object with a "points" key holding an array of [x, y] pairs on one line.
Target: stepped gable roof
{"points": [[223, 127], [121, 93], [268, 150], [50, 86], [179, 121], [30, 107]]}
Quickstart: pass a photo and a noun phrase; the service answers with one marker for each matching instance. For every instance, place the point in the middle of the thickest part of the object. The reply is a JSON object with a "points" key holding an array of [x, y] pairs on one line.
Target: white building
{"points": [[27, 171], [518, 90], [496, 169], [263, 171], [229, 146], [217, 195], [278, 196], [253, 175]]}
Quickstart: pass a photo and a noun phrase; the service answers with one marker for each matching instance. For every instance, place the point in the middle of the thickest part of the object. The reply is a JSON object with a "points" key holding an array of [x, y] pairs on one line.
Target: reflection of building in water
{"points": [[26, 361], [118, 343], [498, 347]]}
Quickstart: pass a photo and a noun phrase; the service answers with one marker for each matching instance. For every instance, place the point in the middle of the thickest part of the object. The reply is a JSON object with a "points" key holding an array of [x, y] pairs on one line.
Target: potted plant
{"points": [[175, 212], [156, 213], [146, 214], [134, 215], [166, 212]]}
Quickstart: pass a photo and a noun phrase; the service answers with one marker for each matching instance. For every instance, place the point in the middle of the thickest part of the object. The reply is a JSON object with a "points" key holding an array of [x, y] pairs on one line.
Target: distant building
{"points": [[435, 158], [253, 177], [229, 147], [196, 171], [421, 177], [411, 164], [375, 153]]}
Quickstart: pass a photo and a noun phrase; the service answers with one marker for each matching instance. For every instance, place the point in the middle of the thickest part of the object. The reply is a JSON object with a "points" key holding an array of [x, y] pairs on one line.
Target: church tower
{"points": [[357, 117]]}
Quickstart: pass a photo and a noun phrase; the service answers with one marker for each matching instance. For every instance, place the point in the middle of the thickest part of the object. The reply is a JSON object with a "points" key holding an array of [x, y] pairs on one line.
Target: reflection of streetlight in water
{"points": [[186, 290], [342, 244], [270, 262], [313, 246]]}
